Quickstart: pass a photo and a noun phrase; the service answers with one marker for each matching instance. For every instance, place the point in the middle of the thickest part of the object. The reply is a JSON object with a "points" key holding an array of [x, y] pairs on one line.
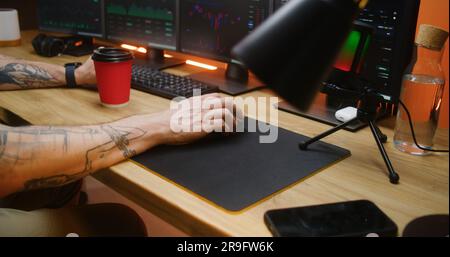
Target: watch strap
{"points": [[70, 74]]}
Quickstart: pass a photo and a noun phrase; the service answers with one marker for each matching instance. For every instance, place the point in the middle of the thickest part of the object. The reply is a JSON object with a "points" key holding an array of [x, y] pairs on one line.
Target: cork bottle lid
{"points": [[431, 37]]}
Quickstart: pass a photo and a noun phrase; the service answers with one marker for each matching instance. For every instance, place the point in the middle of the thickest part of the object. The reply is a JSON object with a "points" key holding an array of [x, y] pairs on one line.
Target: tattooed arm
{"points": [[21, 74], [39, 157]]}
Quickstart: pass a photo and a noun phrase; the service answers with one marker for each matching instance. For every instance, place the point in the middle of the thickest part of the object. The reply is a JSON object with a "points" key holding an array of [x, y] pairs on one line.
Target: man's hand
{"points": [[85, 74], [215, 113], [46, 156]]}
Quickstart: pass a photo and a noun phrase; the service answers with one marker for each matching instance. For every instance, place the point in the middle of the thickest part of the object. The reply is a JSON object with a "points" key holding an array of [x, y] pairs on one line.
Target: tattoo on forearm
{"points": [[119, 138], [26, 76], [20, 133]]}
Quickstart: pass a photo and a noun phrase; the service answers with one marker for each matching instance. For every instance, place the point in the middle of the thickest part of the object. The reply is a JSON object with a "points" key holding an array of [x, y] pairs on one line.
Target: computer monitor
{"points": [[210, 28], [81, 17], [151, 23]]}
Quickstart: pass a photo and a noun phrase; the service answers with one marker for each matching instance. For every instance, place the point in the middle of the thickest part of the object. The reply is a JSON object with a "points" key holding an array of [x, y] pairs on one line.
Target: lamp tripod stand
{"points": [[367, 113]]}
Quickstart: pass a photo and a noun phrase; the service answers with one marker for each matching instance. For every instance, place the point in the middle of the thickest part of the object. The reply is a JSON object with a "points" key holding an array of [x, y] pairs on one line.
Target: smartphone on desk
{"points": [[347, 219]]}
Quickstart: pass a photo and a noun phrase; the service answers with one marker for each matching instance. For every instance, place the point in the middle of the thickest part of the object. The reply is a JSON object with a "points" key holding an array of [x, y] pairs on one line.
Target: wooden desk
{"points": [[424, 187]]}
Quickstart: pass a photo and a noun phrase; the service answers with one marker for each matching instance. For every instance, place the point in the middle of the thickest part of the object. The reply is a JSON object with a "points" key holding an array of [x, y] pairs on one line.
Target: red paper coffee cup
{"points": [[113, 69]]}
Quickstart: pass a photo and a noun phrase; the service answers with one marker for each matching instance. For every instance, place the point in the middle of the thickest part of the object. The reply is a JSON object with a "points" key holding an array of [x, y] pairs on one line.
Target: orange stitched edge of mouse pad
{"points": [[236, 172]]}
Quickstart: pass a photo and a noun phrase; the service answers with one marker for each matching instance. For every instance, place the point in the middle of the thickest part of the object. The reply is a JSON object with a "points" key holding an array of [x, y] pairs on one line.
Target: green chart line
{"points": [[147, 12]]}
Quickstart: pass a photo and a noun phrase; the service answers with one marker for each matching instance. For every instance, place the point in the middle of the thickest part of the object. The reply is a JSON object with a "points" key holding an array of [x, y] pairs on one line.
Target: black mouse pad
{"points": [[237, 171]]}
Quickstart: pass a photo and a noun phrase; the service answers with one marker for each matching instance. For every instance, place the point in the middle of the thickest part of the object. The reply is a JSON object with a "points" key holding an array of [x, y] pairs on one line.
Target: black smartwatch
{"points": [[70, 73]]}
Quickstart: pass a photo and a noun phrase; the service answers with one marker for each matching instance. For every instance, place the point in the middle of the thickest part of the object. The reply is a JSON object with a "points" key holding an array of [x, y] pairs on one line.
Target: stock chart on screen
{"points": [[81, 17], [150, 22], [211, 28]]}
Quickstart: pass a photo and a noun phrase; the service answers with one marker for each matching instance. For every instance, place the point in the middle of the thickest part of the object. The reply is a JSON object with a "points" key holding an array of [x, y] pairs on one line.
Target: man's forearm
{"points": [[20, 74], [41, 157]]}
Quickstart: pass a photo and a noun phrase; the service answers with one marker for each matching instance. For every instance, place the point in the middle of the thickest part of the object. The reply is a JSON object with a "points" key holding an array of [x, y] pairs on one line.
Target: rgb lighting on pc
{"points": [[345, 59]]}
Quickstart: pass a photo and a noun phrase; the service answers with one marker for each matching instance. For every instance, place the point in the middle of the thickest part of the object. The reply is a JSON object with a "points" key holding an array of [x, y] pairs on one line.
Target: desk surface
{"points": [[424, 187]]}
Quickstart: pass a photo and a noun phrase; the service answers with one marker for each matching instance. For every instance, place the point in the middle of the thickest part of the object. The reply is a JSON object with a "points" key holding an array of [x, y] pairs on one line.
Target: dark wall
{"points": [[27, 12]]}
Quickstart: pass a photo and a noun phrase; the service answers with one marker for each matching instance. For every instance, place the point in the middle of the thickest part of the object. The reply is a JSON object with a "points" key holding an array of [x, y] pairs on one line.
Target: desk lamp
{"points": [[294, 51]]}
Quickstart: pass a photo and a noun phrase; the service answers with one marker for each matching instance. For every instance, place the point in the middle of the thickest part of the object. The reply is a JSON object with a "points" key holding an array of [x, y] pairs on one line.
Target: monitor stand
{"points": [[323, 110], [235, 80], [154, 59]]}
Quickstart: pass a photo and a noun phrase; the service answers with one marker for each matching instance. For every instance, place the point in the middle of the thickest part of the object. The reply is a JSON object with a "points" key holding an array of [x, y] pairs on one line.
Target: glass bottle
{"points": [[422, 92]]}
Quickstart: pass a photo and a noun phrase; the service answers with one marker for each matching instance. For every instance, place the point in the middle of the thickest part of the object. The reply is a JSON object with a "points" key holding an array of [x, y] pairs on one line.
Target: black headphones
{"points": [[48, 46]]}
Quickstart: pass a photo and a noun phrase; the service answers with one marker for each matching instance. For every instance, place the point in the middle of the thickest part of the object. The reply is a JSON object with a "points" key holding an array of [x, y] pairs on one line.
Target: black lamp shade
{"points": [[294, 50]]}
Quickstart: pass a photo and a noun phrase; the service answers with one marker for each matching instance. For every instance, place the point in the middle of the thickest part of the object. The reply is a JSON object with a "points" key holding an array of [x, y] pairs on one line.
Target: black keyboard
{"points": [[166, 85]]}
